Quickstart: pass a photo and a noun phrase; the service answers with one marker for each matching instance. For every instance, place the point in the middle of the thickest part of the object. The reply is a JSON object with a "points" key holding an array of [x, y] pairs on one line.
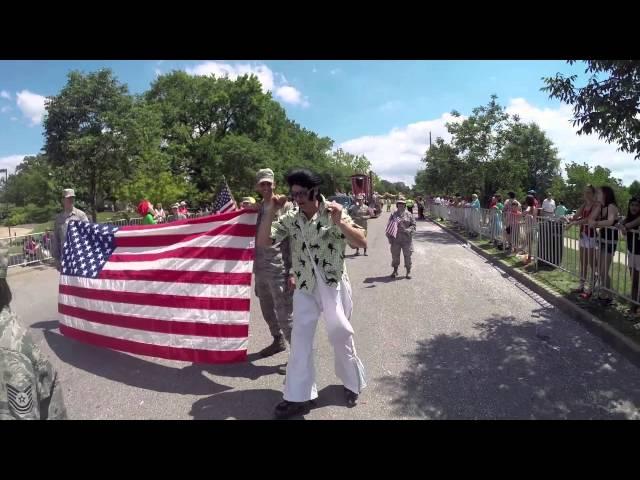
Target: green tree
{"points": [[531, 154], [581, 175], [32, 183], [634, 188], [85, 134], [607, 104], [490, 151]]}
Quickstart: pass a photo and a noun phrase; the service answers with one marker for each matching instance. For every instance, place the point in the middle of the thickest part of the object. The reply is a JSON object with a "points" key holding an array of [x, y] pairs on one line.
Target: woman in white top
{"points": [[160, 214]]}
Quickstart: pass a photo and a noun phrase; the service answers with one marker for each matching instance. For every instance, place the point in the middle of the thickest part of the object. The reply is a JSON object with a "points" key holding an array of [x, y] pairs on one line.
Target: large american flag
{"points": [[224, 201], [179, 291]]}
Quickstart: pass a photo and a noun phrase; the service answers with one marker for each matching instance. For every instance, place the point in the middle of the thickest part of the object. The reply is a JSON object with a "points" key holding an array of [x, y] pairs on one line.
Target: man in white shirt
{"points": [[548, 206]]}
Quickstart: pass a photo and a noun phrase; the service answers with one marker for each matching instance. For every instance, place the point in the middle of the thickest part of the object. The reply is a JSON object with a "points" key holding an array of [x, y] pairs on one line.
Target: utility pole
{"points": [[6, 179]]}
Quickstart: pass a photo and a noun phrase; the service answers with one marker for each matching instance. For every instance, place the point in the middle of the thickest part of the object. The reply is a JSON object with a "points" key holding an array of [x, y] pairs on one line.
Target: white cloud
{"points": [[576, 148], [31, 105], [396, 155], [12, 161], [158, 72], [314, 70], [264, 73], [271, 81], [5, 109], [5, 94], [14, 119], [335, 71], [291, 95]]}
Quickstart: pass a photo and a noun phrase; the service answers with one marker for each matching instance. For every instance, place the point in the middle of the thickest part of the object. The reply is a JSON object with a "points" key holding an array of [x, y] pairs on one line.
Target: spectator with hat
{"points": [[248, 202], [61, 221], [175, 212]]}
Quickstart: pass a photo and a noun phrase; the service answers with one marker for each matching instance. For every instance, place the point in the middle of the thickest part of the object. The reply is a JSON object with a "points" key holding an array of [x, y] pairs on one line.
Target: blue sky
{"points": [[383, 109]]}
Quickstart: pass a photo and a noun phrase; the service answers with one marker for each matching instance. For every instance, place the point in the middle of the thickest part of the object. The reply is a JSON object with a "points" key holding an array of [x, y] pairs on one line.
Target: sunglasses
{"points": [[300, 193]]}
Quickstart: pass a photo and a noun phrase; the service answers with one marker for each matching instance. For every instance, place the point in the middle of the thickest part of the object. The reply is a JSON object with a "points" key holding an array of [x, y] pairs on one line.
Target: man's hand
{"points": [[291, 283], [335, 209], [276, 202]]}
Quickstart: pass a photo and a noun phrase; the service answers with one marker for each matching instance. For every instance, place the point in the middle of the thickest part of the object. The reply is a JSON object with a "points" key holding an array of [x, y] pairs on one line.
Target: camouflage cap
{"points": [[68, 192], [4, 259], [265, 175], [401, 200]]}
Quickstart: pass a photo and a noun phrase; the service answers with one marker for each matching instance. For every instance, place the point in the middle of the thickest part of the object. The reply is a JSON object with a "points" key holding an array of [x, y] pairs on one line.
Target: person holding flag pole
{"points": [[399, 231]]}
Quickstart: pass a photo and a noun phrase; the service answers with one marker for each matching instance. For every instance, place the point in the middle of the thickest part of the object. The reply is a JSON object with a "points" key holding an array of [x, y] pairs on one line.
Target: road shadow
{"points": [[436, 236], [130, 370], [257, 404], [331, 395], [240, 370], [383, 279], [236, 404], [514, 370], [46, 325]]}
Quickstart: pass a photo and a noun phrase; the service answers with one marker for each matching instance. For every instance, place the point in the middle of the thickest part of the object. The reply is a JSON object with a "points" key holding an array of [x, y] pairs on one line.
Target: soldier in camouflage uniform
{"points": [[272, 268], [29, 389], [359, 212], [60, 224], [403, 239]]}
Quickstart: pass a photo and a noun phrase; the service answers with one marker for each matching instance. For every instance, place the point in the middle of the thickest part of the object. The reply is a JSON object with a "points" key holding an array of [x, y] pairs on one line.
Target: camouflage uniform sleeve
{"points": [[50, 392], [285, 247], [83, 216], [412, 225]]}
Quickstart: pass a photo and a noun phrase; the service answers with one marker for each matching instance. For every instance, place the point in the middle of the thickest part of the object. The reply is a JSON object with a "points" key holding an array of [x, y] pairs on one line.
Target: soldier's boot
{"points": [[365, 252], [394, 274], [357, 251], [277, 346], [408, 272]]}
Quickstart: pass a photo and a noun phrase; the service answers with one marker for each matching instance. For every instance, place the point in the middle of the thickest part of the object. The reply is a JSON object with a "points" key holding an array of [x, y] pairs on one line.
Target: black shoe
{"points": [[408, 273], [357, 252], [350, 397], [277, 346], [394, 274], [365, 253], [286, 409], [282, 369]]}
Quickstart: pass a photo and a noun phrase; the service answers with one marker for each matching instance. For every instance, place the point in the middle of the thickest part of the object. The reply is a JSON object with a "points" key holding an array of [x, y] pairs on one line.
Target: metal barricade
{"points": [[604, 261], [28, 249]]}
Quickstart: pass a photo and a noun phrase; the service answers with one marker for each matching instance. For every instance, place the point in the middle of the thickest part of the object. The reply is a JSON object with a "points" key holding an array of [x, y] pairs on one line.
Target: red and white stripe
{"points": [[230, 205], [179, 291], [392, 226]]}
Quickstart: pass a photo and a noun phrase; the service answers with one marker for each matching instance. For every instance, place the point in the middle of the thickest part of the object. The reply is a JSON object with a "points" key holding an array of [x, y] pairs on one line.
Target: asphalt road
{"points": [[460, 340]]}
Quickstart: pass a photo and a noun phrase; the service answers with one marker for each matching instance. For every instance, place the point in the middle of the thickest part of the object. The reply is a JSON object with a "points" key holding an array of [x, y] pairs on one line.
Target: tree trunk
{"points": [[93, 200]]}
